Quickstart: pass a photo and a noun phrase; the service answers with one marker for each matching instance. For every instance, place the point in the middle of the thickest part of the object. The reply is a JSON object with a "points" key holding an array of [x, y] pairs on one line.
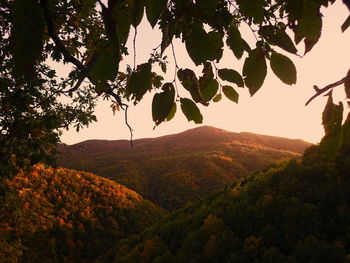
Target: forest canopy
{"points": [[91, 36]]}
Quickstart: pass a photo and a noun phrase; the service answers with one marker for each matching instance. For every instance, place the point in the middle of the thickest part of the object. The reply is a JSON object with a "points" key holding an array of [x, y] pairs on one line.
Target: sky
{"points": [[276, 109]]}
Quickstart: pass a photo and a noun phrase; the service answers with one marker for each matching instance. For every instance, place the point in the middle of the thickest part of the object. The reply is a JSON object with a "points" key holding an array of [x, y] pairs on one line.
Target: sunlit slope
{"points": [[61, 215], [295, 212], [175, 169]]}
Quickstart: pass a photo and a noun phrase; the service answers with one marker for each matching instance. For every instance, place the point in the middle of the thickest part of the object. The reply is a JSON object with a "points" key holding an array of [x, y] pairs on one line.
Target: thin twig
{"points": [[328, 87], [125, 109], [134, 46], [176, 68]]}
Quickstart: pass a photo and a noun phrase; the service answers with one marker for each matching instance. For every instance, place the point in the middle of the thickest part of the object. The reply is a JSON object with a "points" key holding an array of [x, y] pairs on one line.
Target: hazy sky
{"points": [[277, 109]]}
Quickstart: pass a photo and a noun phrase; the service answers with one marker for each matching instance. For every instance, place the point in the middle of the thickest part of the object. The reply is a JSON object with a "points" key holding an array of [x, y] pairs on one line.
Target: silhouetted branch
{"points": [[323, 90]]}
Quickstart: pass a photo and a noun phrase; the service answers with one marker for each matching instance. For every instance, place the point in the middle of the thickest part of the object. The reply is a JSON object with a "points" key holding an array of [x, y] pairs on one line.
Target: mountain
{"points": [[296, 212], [175, 169], [61, 215]]}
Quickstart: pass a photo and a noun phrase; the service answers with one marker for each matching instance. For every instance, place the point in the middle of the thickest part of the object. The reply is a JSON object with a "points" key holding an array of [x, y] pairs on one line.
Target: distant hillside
{"points": [[61, 215], [295, 212], [174, 169]]}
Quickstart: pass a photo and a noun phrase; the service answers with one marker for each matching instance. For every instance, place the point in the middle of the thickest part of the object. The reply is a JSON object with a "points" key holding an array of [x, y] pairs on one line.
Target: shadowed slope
{"points": [[174, 169]]}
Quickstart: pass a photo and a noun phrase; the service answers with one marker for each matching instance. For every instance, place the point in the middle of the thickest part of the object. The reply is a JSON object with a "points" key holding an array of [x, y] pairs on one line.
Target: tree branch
{"points": [[326, 88], [125, 109], [58, 42]]}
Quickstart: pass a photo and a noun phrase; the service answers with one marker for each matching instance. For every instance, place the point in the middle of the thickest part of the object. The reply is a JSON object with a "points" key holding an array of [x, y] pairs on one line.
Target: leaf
{"points": [[332, 117], [215, 50], [278, 37], [139, 82], [167, 36], [210, 90], [154, 8], [346, 24], [27, 35], [252, 8], [283, 68], [254, 70], [231, 76], [347, 85], [107, 63], [202, 46], [137, 12], [217, 98], [172, 112], [309, 26], [230, 93], [162, 103], [234, 41], [191, 111], [190, 82], [121, 15]]}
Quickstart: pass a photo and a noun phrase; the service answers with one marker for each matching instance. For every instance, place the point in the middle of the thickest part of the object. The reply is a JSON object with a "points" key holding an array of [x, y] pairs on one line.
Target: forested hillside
{"points": [[175, 169], [296, 212], [61, 215]]}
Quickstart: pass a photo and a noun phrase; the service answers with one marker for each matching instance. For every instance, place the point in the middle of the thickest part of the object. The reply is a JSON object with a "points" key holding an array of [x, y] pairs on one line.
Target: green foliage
{"points": [[296, 211], [61, 215], [230, 93]]}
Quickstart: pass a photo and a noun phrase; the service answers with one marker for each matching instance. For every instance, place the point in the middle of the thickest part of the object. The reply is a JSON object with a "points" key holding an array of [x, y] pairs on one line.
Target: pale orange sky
{"points": [[277, 109]]}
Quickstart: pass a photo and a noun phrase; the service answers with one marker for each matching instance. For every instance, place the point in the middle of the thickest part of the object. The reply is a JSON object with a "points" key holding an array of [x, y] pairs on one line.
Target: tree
{"points": [[90, 36]]}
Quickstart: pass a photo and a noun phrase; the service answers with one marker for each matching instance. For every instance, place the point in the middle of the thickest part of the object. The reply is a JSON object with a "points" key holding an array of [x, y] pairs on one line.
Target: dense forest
{"points": [[61, 215], [295, 211], [176, 169]]}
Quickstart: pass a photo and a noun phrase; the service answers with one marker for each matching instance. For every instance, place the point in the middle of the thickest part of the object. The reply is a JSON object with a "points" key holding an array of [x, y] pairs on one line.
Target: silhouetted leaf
{"points": [[137, 12], [234, 41], [210, 90], [252, 8], [122, 17], [254, 70], [190, 82], [346, 24], [106, 65], [191, 111], [347, 85], [139, 82], [309, 26], [277, 36], [162, 103], [230, 93], [154, 8], [172, 112], [231, 76], [283, 68], [217, 98], [332, 117], [210, 47], [168, 34]]}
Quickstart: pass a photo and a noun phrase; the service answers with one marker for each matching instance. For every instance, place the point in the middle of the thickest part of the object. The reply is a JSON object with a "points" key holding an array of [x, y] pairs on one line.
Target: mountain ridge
{"points": [[174, 169]]}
